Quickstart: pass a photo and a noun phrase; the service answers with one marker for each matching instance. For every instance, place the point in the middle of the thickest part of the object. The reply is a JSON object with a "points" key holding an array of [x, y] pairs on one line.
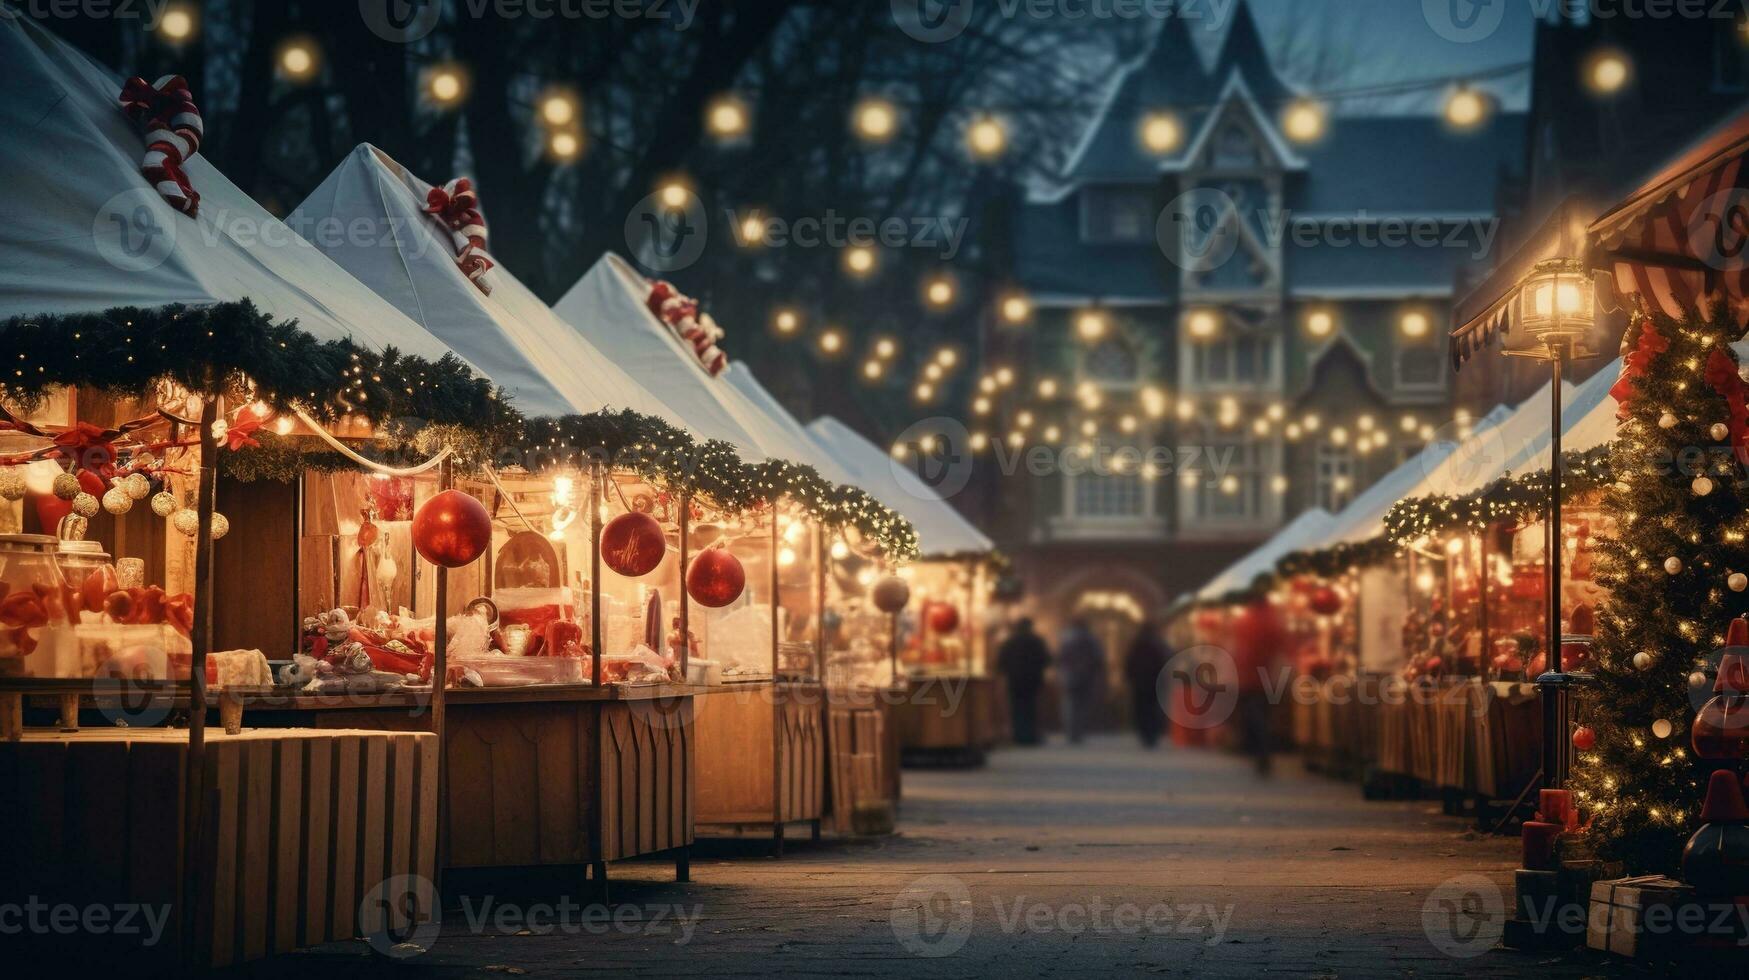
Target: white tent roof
{"points": [[607, 306], [803, 447], [1481, 459], [369, 217], [1364, 517], [940, 529], [1308, 528], [1587, 421], [83, 231]]}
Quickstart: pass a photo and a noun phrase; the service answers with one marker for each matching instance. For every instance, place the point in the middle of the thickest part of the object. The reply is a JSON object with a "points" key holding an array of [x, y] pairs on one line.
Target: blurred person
{"points": [[1142, 667], [1259, 640], [1021, 660], [1081, 668]]}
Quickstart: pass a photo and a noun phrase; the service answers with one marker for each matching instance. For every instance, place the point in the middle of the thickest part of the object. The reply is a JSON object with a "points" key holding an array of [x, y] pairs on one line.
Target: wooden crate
{"points": [[862, 757], [306, 836]]}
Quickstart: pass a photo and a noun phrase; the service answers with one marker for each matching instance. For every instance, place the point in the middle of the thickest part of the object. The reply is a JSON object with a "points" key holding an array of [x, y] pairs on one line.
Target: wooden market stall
{"points": [[152, 354], [955, 708]]}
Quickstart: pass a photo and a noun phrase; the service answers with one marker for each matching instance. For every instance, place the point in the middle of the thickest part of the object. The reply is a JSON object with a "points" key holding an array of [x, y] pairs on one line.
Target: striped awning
{"points": [[1486, 314]]}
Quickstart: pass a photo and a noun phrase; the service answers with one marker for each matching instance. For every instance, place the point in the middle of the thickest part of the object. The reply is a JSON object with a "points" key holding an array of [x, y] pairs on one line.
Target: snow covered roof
{"points": [[804, 449], [1364, 517], [83, 231], [607, 306], [941, 530], [369, 216], [1307, 529], [1482, 458]]}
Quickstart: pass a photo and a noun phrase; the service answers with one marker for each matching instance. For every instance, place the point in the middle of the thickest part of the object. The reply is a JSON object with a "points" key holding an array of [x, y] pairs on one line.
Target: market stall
{"points": [[154, 350], [954, 708]]}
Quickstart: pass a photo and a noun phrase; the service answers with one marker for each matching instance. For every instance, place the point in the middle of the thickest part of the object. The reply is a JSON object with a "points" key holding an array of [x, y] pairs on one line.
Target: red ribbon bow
{"points": [[89, 447], [173, 133], [1636, 363], [240, 435], [1721, 374]]}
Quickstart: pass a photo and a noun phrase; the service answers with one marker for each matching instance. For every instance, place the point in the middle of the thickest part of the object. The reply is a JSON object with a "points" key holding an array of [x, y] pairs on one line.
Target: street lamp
{"points": [[1557, 322]]}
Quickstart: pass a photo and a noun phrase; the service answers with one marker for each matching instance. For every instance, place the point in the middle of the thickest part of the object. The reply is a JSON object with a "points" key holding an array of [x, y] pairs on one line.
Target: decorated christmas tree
{"points": [[1676, 569]]}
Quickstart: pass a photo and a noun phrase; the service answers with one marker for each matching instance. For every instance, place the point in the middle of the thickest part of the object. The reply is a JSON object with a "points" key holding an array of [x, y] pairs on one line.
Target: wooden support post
{"points": [[11, 717], [69, 712], [777, 760], [685, 600], [194, 803], [597, 816], [439, 695], [821, 554]]}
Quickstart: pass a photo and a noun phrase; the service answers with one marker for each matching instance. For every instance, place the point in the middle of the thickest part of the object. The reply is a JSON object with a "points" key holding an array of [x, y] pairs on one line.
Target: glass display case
{"points": [[731, 614], [939, 631]]}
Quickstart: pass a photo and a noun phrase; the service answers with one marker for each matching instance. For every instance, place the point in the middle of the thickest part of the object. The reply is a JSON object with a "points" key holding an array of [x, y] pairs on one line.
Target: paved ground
{"points": [[1100, 860]]}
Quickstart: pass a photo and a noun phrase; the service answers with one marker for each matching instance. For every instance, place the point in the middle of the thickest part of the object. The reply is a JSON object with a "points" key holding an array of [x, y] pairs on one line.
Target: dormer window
{"points": [[1116, 215], [1235, 149]]}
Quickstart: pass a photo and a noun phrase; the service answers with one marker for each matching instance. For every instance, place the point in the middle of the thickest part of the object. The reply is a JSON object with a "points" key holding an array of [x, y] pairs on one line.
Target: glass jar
{"points": [[86, 568], [32, 600]]}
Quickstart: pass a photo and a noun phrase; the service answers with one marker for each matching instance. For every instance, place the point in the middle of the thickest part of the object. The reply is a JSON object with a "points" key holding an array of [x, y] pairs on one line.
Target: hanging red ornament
{"points": [[633, 544], [716, 578], [50, 509], [1326, 601], [892, 594], [1584, 739], [943, 618], [452, 529], [368, 532]]}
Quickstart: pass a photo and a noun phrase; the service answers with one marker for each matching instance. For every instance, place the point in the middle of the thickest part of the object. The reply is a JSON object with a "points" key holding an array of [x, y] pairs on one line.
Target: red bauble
{"points": [[1326, 601], [716, 578], [891, 594], [1584, 739], [633, 544], [452, 529], [943, 618], [50, 509], [1721, 728]]}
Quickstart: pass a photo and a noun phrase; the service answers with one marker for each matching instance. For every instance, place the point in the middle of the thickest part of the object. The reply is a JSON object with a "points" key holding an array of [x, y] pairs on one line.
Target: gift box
{"points": [[1633, 916]]}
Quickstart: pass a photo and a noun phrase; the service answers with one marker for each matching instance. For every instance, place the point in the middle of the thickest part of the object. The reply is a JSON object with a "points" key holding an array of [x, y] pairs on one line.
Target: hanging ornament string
{"points": [[369, 464], [456, 206], [492, 475], [86, 446], [173, 134]]}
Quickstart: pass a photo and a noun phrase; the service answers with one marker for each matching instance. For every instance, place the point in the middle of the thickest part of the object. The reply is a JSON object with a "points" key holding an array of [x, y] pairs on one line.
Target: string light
{"points": [[564, 145], [786, 322], [872, 370], [925, 392], [940, 292], [885, 348], [726, 118], [986, 138], [1016, 309], [1160, 132], [1090, 326], [1466, 109], [876, 120], [558, 107], [1203, 324], [446, 85], [859, 260], [299, 59], [831, 341], [675, 194], [1320, 324], [178, 23], [1415, 325], [1305, 121], [1608, 71], [947, 357], [1047, 388]]}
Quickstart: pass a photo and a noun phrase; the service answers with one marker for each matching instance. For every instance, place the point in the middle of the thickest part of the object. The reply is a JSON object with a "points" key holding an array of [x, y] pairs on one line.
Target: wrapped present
{"points": [[1633, 916]]}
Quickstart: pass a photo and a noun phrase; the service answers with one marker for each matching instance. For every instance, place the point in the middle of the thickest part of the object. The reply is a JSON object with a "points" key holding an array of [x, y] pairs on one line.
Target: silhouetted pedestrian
{"points": [[1142, 668], [1022, 660], [1081, 668]]}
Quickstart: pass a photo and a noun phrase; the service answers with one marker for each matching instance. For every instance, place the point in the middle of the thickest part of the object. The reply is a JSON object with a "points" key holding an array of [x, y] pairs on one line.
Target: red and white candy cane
{"points": [[173, 133], [457, 207]]}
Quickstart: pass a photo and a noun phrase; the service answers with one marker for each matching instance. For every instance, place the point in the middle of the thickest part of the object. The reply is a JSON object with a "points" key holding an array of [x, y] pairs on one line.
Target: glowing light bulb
{"points": [[446, 85], [859, 259], [787, 322], [727, 117], [1466, 109], [876, 120], [1016, 309], [564, 145], [986, 138], [1304, 122], [1161, 132], [1090, 326], [297, 59]]}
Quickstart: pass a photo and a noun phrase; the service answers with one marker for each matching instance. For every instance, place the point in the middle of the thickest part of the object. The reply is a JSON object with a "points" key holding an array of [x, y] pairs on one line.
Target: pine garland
{"points": [[1642, 793], [1337, 559], [1510, 498]]}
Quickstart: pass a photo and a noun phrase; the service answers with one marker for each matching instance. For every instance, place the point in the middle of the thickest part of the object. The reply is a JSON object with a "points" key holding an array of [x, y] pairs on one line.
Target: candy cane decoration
{"points": [[682, 315], [173, 134], [456, 206]]}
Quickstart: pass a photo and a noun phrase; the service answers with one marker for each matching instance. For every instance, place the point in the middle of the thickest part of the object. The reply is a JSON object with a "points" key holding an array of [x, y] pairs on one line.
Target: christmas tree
{"points": [[1675, 570]]}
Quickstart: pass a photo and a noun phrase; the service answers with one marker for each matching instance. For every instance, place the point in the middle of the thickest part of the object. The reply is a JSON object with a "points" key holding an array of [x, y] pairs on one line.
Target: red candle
{"points": [[1539, 845], [1554, 805]]}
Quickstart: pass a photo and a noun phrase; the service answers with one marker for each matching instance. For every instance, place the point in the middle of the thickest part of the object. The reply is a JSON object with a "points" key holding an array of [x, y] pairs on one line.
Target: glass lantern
{"points": [[1557, 312]]}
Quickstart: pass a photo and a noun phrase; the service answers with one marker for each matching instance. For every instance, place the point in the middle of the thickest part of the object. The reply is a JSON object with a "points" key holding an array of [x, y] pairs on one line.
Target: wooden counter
{"points": [[862, 776], [951, 718], [761, 759]]}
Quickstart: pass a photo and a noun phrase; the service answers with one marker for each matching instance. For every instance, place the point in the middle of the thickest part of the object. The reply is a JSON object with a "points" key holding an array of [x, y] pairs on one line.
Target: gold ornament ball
{"points": [[67, 486], [1738, 581], [1642, 660], [85, 505], [116, 501], [221, 525], [73, 527], [1720, 431], [164, 504], [1662, 728], [1697, 679], [137, 486], [12, 483], [1673, 565], [187, 522], [1701, 486], [1666, 421]]}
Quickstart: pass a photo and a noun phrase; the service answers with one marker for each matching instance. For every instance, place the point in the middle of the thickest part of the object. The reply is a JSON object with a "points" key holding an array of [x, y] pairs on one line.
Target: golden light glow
{"points": [[1312, 422], [298, 59], [752, 230], [987, 384], [859, 259], [446, 85], [981, 405], [1005, 376], [1161, 132], [947, 357], [1090, 428], [940, 291], [1409, 423], [1127, 424], [558, 108], [1320, 324], [986, 138], [564, 145], [932, 372], [675, 195], [980, 442], [727, 117], [1052, 433], [885, 348], [1278, 484], [1186, 409], [925, 391], [1047, 388], [1017, 309], [787, 322], [1305, 121], [1203, 324], [1277, 411], [1153, 402], [1466, 109], [831, 341], [1364, 423], [873, 370], [178, 23], [1024, 420], [1608, 72], [1230, 485], [1415, 325], [876, 120], [1091, 326]]}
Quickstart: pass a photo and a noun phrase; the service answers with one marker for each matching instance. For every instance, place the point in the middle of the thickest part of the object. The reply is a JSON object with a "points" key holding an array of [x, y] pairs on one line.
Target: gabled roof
{"points": [[1170, 74], [608, 308], [941, 531], [1237, 94], [368, 216], [72, 173], [1243, 55], [803, 448]]}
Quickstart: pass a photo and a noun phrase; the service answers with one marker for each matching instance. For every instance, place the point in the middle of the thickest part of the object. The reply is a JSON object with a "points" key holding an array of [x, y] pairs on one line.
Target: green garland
{"points": [[237, 350], [1510, 498], [417, 407], [1337, 559]]}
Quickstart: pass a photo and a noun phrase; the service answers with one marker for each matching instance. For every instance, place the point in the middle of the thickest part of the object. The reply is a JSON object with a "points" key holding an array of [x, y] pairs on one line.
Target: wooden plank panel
{"points": [[97, 807], [469, 792], [558, 799], [288, 826], [255, 853], [255, 601], [425, 821], [318, 814], [515, 755], [398, 853], [372, 833], [155, 794], [343, 870], [216, 912]]}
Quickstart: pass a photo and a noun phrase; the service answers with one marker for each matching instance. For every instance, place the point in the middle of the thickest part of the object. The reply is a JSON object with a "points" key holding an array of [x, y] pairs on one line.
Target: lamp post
{"points": [[1557, 322]]}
